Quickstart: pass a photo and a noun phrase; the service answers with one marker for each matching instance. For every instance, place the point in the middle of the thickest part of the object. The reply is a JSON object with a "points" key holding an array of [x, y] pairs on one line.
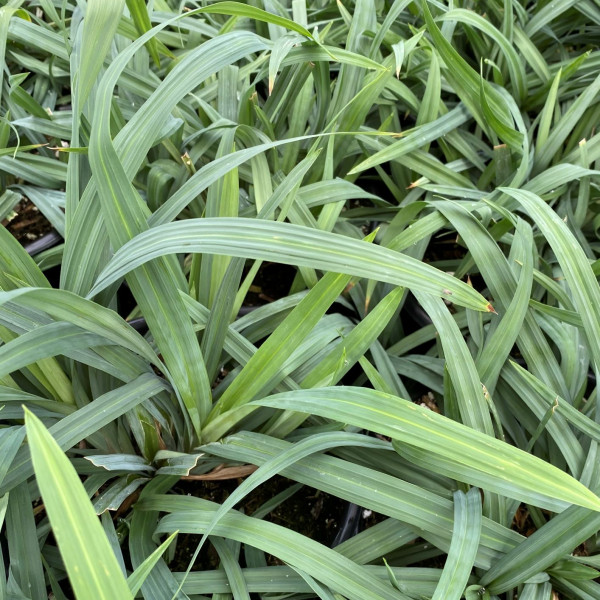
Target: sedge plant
{"points": [[427, 173]]}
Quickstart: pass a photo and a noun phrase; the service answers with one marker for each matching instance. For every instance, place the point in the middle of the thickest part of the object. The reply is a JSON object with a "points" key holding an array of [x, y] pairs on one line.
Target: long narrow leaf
{"points": [[192, 515], [465, 539], [292, 244], [92, 567], [479, 459]]}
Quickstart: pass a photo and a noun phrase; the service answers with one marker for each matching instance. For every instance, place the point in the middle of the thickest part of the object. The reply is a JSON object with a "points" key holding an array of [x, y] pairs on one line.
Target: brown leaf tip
{"points": [[490, 308]]}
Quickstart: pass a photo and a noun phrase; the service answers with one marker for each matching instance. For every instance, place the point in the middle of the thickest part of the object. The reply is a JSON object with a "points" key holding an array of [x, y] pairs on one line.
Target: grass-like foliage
{"points": [[421, 178]]}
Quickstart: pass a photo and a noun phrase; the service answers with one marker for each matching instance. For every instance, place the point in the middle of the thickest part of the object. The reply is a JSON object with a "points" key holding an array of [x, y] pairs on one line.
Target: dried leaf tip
{"points": [[490, 308]]}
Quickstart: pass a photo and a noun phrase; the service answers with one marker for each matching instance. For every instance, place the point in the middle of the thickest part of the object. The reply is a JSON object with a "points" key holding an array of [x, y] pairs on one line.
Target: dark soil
{"points": [[310, 512], [28, 223]]}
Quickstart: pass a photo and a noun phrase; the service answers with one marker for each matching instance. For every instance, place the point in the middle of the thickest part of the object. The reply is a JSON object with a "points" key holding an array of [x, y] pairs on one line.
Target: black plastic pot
{"points": [[350, 524], [45, 242], [139, 325]]}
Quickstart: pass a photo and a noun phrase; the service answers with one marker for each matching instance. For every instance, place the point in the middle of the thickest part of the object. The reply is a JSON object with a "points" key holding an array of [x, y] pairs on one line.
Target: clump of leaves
{"points": [[428, 173]]}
